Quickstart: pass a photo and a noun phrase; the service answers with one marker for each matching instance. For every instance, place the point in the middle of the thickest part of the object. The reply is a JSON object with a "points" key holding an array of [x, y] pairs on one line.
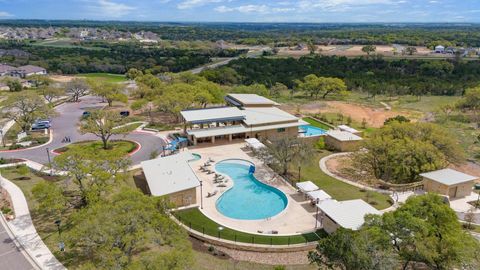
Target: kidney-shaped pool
{"points": [[248, 199]]}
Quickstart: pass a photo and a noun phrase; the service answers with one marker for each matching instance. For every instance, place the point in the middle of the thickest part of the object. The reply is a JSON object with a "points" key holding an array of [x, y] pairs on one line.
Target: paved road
{"points": [[10, 256], [251, 54], [65, 123]]}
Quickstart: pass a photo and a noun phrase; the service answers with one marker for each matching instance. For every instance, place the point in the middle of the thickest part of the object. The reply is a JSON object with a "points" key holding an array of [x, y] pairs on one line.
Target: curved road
{"points": [[65, 123]]}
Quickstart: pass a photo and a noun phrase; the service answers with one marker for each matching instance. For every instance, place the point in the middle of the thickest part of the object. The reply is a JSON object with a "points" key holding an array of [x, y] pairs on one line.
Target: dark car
{"points": [[125, 113], [86, 114]]}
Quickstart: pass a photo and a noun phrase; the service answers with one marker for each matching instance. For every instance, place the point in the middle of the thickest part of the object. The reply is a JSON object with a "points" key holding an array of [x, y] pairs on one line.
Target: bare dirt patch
{"points": [[375, 117], [62, 78], [352, 51]]}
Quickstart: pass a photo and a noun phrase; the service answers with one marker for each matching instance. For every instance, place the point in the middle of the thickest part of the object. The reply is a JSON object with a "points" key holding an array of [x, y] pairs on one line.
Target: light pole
{"points": [[201, 194], [477, 188], [219, 230], [49, 161], [61, 245]]}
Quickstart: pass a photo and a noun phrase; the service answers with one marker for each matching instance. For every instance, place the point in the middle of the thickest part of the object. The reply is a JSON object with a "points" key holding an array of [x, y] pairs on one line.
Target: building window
{"points": [[280, 129]]}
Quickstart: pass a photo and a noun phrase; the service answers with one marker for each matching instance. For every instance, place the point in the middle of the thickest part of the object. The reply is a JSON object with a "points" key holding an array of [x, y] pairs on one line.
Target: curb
{"points": [[33, 147], [19, 245]]}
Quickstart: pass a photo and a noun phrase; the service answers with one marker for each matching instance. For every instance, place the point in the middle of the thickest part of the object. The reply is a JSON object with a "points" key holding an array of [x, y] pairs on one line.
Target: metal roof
{"points": [[198, 116], [348, 129], [217, 131], [319, 195], [167, 175], [266, 115], [347, 214], [449, 177], [249, 99], [343, 135]]}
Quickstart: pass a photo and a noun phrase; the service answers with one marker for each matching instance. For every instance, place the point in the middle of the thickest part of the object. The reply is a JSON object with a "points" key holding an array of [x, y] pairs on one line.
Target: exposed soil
{"points": [[375, 117], [353, 50], [62, 78]]}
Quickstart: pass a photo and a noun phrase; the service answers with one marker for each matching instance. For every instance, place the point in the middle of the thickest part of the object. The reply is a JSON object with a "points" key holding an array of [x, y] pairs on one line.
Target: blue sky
{"points": [[246, 10]]}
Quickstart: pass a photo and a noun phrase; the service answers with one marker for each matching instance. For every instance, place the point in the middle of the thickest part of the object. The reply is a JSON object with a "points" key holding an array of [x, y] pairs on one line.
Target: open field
{"points": [[62, 43], [114, 78], [356, 50]]}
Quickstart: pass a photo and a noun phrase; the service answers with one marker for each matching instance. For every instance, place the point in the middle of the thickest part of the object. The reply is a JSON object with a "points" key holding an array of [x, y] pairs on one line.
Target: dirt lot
{"points": [[375, 117], [62, 78], [351, 50]]}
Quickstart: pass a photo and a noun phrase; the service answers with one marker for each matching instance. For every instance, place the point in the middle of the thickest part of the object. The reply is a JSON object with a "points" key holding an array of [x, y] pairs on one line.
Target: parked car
{"points": [[125, 113], [41, 125], [86, 114]]}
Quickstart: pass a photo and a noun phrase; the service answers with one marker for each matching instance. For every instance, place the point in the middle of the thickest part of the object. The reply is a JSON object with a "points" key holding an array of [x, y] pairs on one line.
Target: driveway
{"points": [[65, 123], [11, 257]]}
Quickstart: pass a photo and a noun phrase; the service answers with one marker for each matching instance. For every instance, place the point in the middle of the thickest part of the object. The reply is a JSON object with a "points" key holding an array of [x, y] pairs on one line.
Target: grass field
{"points": [[113, 78], [339, 190], [62, 43], [196, 220], [124, 147]]}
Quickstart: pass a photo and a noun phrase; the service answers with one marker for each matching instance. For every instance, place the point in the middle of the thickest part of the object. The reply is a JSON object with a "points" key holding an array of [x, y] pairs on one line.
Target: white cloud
{"points": [[254, 9], [308, 5], [187, 4], [4, 14], [109, 9]]}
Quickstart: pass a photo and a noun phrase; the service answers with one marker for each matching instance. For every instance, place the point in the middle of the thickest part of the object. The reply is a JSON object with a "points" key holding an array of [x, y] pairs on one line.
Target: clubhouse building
{"points": [[245, 116]]}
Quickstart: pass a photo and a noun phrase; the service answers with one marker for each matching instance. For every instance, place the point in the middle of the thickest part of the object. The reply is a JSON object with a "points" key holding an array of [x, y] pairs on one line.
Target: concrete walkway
{"points": [[24, 231]]}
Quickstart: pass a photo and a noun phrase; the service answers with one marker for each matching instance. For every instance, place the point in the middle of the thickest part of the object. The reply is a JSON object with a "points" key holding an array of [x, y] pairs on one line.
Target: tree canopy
{"points": [[399, 152]]}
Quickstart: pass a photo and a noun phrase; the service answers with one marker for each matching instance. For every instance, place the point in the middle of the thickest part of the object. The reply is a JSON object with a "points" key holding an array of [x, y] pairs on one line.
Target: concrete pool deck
{"points": [[297, 217]]}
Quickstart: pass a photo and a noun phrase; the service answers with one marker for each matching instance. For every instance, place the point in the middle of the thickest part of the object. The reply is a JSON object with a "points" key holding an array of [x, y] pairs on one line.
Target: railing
{"points": [[221, 233]]}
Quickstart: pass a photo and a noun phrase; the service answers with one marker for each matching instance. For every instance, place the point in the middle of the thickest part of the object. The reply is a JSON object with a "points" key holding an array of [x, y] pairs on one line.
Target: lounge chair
{"points": [[210, 160], [222, 185], [210, 172], [212, 194]]}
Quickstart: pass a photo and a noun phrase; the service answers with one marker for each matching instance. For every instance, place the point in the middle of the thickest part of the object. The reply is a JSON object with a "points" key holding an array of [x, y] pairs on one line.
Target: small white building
{"points": [[346, 214], [448, 182], [173, 177], [439, 49], [342, 141]]}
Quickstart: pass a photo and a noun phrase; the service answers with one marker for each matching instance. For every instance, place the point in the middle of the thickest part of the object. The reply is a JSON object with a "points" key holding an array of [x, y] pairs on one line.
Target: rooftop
{"points": [[213, 115], [249, 100], [343, 135], [167, 175], [5, 68], [266, 115], [348, 214], [348, 129], [30, 69], [449, 177]]}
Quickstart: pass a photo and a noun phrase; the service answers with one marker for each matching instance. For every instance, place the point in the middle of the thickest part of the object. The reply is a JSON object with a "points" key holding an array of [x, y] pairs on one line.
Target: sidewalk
{"points": [[24, 231]]}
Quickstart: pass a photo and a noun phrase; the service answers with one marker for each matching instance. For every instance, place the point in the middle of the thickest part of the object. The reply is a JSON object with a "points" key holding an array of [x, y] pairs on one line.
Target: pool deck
{"points": [[297, 217]]}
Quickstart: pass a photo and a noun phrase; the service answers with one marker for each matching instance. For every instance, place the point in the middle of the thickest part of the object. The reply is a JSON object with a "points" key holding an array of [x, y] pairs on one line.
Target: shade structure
{"points": [[254, 143], [307, 186], [318, 195]]}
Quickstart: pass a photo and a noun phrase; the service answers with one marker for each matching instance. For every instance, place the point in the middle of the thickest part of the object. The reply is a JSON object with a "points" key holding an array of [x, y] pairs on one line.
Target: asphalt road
{"points": [[65, 123], [10, 256]]}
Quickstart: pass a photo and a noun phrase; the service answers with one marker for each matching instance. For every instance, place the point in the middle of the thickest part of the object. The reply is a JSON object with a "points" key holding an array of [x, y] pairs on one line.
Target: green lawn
{"points": [[196, 220], [339, 190], [125, 147], [113, 78], [316, 123]]}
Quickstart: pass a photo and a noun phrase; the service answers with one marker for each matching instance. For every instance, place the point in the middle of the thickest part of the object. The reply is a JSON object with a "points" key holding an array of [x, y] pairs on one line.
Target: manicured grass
{"points": [[337, 189], [196, 220], [125, 147], [113, 78], [316, 123]]}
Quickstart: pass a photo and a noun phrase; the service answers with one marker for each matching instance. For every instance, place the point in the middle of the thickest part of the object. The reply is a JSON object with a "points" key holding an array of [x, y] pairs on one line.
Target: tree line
{"points": [[374, 75], [111, 58]]}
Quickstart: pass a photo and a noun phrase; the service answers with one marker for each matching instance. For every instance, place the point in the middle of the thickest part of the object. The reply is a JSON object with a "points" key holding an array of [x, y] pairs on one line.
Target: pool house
{"points": [[245, 116]]}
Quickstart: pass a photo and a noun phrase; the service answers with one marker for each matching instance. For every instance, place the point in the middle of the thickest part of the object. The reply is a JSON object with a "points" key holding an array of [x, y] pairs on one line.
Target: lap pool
{"points": [[248, 199]]}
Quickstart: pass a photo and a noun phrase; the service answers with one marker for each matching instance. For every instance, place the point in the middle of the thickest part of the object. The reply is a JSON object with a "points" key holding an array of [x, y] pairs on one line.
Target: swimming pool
{"points": [[311, 131], [248, 199]]}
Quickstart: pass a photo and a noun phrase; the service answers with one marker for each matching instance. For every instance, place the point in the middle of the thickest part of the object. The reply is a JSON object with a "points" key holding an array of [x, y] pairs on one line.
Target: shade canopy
{"points": [[307, 186], [318, 195]]}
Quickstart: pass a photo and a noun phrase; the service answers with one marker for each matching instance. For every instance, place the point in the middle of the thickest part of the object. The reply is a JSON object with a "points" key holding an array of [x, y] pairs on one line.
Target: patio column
{"points": [[194, 140], [213, 139], [230, 137]]}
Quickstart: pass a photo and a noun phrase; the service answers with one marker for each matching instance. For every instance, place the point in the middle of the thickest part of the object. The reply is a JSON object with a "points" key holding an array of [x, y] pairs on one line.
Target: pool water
{"points": [[248, 199], [311, 131]]}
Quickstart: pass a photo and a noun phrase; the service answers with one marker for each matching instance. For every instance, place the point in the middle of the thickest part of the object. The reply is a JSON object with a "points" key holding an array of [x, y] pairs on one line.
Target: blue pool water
{"points": [[311, 131], [195, 157], [248, 199]]}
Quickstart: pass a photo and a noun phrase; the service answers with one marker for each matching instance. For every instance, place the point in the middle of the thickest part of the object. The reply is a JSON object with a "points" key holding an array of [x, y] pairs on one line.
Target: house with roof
{"points": [[21, 72], [172, 177], [449, 182], [245, 116], [5, 70], [342, 141], [346, 214], [439, 49]]}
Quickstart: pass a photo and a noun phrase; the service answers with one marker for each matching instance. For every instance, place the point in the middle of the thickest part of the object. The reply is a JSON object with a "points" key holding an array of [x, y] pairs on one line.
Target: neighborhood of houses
{"points": [[246, 123]]}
